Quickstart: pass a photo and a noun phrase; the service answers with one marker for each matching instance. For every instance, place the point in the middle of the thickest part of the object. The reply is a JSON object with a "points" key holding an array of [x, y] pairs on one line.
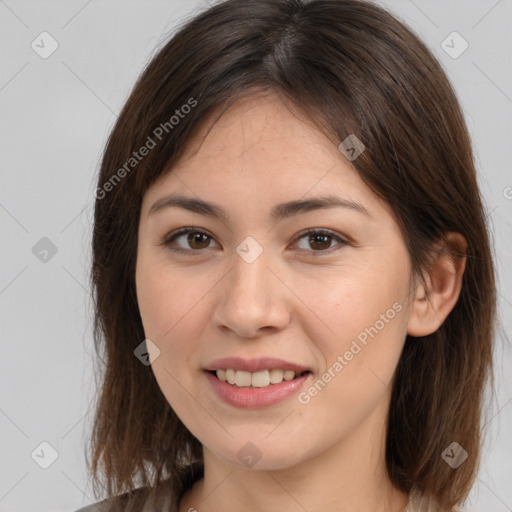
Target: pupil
{"points": [[195, 238], [318, 239]]}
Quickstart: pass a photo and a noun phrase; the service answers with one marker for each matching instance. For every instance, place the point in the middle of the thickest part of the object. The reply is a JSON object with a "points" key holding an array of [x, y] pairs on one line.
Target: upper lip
{"points": [[254, 365]]}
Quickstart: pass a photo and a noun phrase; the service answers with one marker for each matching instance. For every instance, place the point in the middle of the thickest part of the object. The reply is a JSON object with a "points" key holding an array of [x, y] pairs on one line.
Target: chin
{"points": [[264, 455]]}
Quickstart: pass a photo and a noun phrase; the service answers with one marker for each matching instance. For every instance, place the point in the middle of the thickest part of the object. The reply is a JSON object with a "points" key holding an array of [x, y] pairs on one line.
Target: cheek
{"points": [[166, 304], [164, 298], [355, 300], [174, 314], [360, 358], [153, 296], [365, 312]]}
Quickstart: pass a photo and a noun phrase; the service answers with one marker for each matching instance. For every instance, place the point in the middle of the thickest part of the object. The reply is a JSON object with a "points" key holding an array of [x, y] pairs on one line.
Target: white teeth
{"points": [[243, 378], [289, 375], [231, 376], [276, 375], [261, 379]]}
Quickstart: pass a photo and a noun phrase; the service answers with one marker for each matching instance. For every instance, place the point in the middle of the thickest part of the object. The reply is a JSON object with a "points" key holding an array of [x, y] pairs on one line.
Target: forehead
{"points": [[260, 125], [259, 147]]}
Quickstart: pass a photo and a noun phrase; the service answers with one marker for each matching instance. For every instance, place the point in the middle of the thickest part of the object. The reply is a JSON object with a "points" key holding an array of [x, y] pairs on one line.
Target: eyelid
{"points": [[342, 240]]}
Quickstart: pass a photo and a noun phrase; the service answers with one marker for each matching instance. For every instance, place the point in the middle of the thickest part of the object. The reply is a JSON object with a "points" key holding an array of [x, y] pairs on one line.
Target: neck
{"points": [[350, 476]]}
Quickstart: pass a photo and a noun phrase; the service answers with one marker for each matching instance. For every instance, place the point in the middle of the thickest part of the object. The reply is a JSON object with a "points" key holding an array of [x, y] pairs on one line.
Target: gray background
{"points": [[56, 115]]}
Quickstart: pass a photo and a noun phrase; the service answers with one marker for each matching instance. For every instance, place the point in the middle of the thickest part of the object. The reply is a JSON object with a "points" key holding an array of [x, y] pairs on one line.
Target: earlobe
{"points": [[434, 300]]}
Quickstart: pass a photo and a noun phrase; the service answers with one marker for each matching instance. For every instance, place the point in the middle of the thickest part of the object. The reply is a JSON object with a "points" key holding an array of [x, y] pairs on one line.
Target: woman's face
{"points": [[257, 285]]}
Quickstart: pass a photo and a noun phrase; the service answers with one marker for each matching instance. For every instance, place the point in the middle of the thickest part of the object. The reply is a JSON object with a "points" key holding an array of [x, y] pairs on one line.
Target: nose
{"points": [[252, 300]]}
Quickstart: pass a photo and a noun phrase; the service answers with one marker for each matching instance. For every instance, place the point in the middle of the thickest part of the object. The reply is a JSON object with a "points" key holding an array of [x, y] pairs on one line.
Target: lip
{"points": [[254, 365], [252, 398]]}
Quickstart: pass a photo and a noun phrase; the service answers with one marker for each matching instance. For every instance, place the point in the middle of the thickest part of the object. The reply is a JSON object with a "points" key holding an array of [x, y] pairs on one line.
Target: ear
{"points": [[433, 303]]}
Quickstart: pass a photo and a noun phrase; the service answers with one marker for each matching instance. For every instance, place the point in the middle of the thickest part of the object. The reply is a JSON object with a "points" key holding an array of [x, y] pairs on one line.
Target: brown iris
{"points": [[314, 239]]}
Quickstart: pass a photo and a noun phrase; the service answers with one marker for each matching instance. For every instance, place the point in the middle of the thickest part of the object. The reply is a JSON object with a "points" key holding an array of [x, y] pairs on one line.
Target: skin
{"points": [[299, 300]]}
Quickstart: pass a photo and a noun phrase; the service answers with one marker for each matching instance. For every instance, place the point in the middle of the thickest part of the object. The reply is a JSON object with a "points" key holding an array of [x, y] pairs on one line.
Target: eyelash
{"points": [[176, 234]]}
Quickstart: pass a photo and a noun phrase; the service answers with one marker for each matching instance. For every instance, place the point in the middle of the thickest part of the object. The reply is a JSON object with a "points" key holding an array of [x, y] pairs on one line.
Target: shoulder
{"points": [[136, 500], [420, 503]]}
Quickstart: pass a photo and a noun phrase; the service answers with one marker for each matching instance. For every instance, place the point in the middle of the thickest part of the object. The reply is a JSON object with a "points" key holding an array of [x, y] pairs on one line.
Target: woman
{"points": [[294, 286]]}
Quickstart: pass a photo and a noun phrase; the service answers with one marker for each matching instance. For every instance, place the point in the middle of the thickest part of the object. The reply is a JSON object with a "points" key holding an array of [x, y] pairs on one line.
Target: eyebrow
{"points": [[278, 212]]}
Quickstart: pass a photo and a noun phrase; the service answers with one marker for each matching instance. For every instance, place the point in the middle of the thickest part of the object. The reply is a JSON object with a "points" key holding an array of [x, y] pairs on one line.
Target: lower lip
{"points": [[251, 398]]}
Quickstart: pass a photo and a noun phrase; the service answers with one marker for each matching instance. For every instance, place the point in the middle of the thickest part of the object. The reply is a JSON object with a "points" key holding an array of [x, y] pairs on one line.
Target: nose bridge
{"points": [[252, 296], [250, 274]]}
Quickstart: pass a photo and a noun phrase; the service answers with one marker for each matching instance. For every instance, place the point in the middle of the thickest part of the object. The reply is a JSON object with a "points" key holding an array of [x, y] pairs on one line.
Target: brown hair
{"points": [[352, 68]]}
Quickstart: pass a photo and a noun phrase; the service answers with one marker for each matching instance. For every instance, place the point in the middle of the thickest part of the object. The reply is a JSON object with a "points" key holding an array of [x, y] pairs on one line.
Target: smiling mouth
{"points": [[259, 379]]}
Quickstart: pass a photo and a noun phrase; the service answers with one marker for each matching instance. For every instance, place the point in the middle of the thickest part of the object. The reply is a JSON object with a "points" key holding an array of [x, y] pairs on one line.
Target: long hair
{"points": [[352, 68]]}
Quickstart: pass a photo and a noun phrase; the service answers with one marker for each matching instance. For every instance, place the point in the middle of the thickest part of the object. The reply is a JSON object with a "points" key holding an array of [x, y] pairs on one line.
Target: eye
{"points": [[320, 240], [197, 240]]}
